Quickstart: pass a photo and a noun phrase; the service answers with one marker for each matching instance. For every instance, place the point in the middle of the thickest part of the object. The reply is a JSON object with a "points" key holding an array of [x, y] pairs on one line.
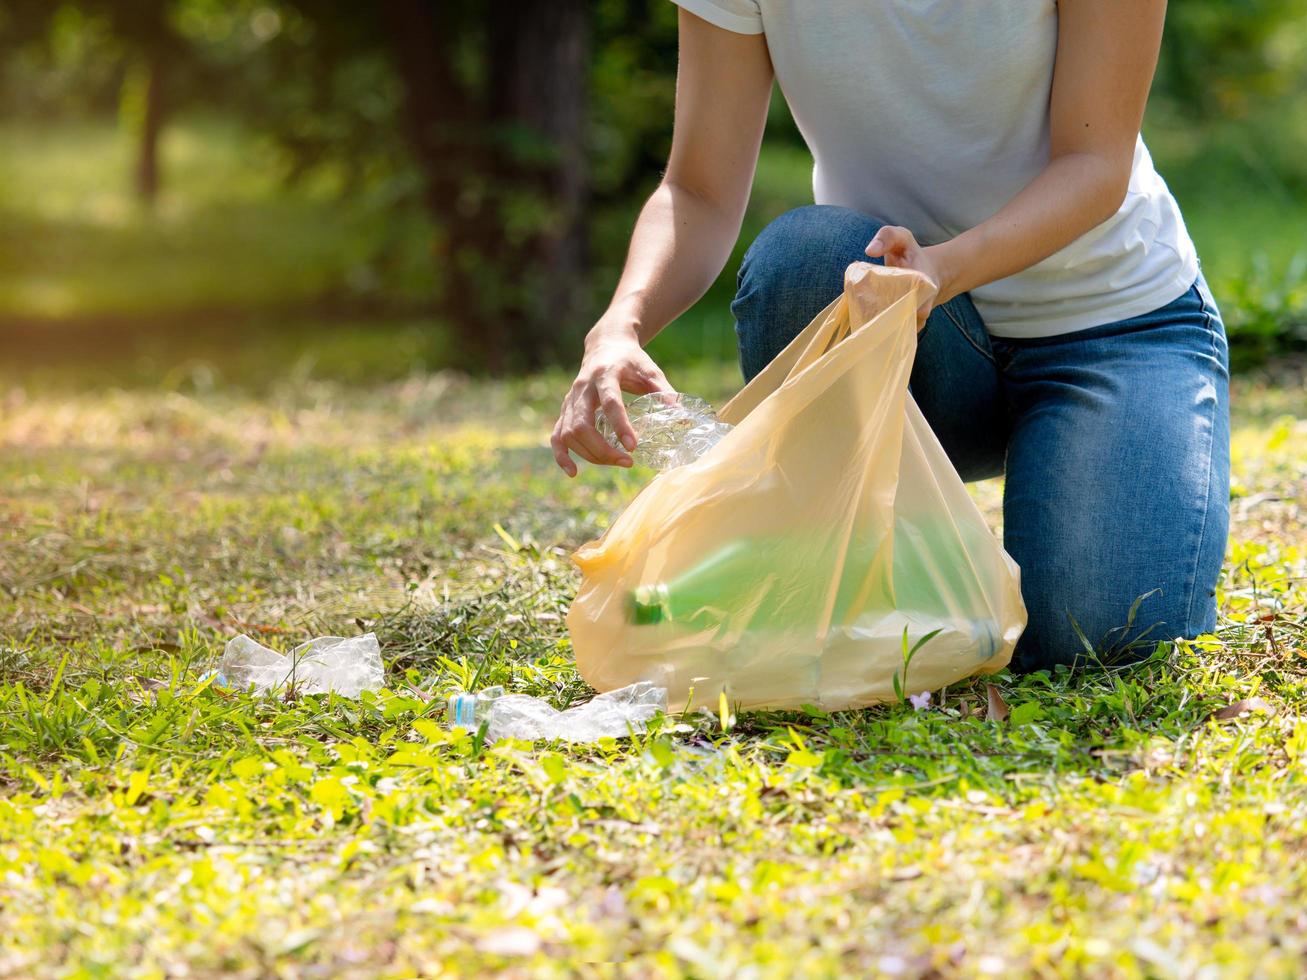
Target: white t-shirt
{"points": [[933, 114]]}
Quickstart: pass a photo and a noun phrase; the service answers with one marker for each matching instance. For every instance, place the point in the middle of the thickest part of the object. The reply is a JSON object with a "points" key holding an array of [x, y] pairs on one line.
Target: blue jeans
{"points": [[1114, 441]]}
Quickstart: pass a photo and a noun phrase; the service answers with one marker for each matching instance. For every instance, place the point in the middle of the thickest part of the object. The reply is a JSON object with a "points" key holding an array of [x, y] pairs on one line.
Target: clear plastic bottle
{"points": [[471, 710], [610, 715], [670, 429]]}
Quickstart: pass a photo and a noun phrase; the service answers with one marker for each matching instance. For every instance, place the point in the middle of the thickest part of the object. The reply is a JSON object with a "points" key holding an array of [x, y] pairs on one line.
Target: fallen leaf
{"points": [[1237, 710], [260, 627], [998, 710]]}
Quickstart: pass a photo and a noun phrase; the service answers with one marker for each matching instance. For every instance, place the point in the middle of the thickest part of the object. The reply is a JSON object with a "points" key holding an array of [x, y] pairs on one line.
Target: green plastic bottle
{"points": [[720, 581], [728, 579]]}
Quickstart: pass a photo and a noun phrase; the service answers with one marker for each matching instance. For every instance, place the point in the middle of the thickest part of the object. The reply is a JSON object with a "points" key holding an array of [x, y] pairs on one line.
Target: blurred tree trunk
{"points": [[156, 51], [147, 155], [543, 54], [503, 166]]}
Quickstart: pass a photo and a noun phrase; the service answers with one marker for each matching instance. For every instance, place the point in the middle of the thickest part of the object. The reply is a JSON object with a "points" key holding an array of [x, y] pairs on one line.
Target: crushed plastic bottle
{"points": [[670, 429], [345, 665], [613, 715], [470, 710]]}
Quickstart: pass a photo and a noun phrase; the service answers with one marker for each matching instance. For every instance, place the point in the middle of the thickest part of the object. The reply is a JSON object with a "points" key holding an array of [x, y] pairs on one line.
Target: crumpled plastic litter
{"points": [[670, 429], [346, 665], [613, 715], [470, 710]]}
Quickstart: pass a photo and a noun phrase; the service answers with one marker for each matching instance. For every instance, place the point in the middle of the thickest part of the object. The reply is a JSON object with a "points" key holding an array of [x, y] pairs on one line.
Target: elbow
{"points": [[1113, 195], [724, 201], [1110, 185], [1099, 181]]}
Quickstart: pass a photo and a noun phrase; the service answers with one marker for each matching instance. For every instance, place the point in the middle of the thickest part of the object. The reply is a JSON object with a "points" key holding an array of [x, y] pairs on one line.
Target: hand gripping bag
{"points": [[786, 565]]}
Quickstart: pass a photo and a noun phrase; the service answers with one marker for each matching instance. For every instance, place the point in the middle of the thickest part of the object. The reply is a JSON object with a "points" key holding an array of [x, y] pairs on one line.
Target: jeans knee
{"points": [[1070, 625], [796, 241], [793, 269]]}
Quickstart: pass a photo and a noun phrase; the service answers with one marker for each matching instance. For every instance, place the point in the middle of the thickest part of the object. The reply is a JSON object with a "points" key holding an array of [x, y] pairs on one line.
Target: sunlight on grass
{"points": [[1112, 827], [45, 297]]}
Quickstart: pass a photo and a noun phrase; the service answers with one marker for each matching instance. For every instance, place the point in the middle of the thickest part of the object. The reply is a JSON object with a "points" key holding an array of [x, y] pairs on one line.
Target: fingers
{"points": [[587, 443], [647, 378], [561, 456], [575, 432], [894, 244], [601, 386], [610, 400]]}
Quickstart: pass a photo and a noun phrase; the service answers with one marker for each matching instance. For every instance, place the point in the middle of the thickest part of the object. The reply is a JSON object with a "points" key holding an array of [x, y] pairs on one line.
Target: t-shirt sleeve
{"points": [[740, 16]]}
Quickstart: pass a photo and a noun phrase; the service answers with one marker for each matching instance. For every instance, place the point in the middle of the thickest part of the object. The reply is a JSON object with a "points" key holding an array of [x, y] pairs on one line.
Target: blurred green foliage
{"points": [[291, 181], [1224, 58]]}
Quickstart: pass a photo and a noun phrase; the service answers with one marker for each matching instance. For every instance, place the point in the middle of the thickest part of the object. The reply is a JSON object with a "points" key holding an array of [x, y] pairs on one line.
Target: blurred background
{"points": [[230, 191]]}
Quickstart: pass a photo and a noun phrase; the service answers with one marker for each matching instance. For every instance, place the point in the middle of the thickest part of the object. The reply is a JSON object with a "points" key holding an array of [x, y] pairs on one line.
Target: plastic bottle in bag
{"points": [[670, 429], [731, 590], [731, 578]]}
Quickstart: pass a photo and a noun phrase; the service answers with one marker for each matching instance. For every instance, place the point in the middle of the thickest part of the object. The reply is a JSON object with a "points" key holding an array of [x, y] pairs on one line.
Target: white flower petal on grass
{"points": [[510, 941], [894, 966], [920, 701]]}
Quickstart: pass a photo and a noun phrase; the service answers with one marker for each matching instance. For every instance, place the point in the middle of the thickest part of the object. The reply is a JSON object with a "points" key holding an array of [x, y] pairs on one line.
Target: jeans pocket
{"points": [[983, 349]]}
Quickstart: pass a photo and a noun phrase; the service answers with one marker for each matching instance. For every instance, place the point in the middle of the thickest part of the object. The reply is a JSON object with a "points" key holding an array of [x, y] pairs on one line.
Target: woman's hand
{"points": [[683, 237], [899, 249], [614, 362]]}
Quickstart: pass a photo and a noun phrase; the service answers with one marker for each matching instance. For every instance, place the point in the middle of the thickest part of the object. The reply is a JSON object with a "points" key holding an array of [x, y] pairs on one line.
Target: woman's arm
{"points": [[1106, 55], [684, 234]]}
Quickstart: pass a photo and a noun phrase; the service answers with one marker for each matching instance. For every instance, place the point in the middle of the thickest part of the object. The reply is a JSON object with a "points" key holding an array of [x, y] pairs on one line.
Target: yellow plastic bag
{"points": [[822, 538]]}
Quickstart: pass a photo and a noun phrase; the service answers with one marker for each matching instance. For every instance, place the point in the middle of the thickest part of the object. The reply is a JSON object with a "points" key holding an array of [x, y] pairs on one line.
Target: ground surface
{"points": [[150, 826]]}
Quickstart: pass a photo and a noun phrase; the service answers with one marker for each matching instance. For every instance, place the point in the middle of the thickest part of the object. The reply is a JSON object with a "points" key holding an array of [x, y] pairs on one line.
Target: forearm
{"points": [[682, 238], [1073, 194], [680, 244]]}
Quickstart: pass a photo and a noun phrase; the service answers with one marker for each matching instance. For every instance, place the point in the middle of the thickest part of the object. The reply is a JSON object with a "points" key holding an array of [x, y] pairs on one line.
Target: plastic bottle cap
{"points": [[649, 605], [219, 679]]}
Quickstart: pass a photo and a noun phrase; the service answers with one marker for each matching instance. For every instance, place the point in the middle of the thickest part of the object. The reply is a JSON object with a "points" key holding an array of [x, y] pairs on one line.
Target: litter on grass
{"points": [[351, 665], [347, 665], [616, 714]]}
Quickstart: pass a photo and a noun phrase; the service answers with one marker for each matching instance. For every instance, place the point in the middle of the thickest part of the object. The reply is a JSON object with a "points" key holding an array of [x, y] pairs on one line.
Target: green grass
{"points": [[250, 471], [151, 826]]}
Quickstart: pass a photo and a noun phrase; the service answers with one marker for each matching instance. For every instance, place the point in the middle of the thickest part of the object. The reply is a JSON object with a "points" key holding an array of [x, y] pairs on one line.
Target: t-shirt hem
{"points": [[1154, 299], [715, 15]]}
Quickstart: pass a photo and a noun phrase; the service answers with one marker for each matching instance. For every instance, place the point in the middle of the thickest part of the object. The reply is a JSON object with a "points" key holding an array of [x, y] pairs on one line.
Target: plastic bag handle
{"points": [[816, 335], [869, 290], [833, 329]]}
